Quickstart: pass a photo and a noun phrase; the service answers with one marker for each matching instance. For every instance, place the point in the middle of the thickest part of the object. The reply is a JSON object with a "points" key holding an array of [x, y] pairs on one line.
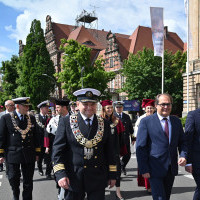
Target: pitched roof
{"points": [[96, 39], [142, 37], [83, 36]]}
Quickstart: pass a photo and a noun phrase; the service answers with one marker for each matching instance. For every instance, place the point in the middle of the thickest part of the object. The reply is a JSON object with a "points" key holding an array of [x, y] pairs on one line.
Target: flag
{"points": [[157, 28]]}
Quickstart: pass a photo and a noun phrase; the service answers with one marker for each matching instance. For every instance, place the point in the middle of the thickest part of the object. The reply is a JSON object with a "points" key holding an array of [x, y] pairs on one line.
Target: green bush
{"points": [[183, 120]]}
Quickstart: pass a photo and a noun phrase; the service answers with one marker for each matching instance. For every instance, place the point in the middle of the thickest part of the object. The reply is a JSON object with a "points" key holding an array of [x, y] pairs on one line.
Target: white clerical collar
{"points": [[84, 117]]}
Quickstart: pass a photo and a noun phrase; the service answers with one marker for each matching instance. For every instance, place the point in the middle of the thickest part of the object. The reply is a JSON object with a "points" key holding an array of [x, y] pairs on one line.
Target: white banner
{"points": [[157, 28]]}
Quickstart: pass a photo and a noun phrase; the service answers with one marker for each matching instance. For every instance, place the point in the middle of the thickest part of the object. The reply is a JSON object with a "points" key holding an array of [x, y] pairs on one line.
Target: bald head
{"points": [[10, 105]]}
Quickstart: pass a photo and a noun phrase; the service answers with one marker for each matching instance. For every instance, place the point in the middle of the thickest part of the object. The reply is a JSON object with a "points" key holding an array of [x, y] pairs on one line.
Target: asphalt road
{"points": [[183, 189]]}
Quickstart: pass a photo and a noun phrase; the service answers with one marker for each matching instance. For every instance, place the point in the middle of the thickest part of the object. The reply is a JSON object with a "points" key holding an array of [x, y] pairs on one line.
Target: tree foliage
{"points": [[34, 62], [10, 75], [143, 72], [93, 75]]}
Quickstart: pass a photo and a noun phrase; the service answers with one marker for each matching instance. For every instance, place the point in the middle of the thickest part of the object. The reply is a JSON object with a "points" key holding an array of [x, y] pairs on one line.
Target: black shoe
{"points": [[49, 177], [1, 169], [124, 170], [41, 173]]}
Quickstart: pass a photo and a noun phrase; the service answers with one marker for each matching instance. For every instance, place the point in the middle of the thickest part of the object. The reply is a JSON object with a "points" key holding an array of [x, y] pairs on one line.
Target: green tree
{"points": [[143, 74], [76, 57], [34, 62], [10, 75]]}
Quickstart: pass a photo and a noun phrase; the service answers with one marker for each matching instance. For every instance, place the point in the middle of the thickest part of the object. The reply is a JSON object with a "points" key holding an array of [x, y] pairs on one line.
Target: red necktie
{"points": [[166, 127]]}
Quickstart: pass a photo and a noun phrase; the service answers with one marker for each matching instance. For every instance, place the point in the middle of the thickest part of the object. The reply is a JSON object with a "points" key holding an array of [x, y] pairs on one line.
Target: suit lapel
{"points": [[82, 126], [172, 128], [94, 127], [158, 124], [88, 133], [16, 118]]}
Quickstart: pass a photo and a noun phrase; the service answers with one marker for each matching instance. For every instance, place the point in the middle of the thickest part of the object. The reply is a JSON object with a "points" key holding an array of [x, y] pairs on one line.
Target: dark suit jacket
{"points": [[40, 130], [126, 121], [192, 130], [154, 153], [2, 113], [18, 150], [93, 173]]}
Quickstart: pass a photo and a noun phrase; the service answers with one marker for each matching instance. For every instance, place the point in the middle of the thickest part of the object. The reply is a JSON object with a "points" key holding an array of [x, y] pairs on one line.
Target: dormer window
{"points": [[89, 43]]}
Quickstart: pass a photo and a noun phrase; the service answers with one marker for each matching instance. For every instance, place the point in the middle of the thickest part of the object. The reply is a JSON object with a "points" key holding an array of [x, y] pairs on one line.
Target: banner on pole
{"points": [[186, 4], [157, 28], [131, 105]]}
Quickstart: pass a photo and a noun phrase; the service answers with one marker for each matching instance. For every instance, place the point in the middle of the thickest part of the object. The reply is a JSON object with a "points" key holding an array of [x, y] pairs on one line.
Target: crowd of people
{"points": [[81, 147]]}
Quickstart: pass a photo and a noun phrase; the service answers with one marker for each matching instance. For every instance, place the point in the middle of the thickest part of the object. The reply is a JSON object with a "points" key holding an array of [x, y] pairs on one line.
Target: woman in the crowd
{"points": [[117, 130], [149, 107]]}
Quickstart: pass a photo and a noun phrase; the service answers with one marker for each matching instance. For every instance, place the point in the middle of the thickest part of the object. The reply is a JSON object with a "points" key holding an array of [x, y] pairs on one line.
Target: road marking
{"points": [[189, 176], [1, 176]]}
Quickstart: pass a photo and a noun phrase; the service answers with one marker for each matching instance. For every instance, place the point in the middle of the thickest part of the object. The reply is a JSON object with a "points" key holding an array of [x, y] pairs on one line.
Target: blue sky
{"points": [[118, 16]]}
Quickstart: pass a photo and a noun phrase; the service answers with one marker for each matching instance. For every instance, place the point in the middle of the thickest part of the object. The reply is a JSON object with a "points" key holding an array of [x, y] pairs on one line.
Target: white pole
{"points": [[163, 67], [187, 70]]}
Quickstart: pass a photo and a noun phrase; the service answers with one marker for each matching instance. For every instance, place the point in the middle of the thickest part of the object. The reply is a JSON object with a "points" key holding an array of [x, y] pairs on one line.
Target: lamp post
{"points": [[56, 87], [82, 69]]}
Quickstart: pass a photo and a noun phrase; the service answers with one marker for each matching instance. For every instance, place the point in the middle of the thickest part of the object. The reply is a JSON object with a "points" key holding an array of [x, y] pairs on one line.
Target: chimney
{"points": [[166, 32]]}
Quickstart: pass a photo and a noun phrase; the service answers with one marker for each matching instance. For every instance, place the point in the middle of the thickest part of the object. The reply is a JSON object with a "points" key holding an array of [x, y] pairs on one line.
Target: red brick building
{"points": [[114, 47]]}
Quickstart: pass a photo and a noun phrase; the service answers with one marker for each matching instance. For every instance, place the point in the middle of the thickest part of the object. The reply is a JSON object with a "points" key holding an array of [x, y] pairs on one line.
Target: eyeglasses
{"points": [[165, 105], [11, 105]]}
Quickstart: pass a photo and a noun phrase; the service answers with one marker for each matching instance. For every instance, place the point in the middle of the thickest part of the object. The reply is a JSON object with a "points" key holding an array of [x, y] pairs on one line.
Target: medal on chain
{"points": [[88, 144]]}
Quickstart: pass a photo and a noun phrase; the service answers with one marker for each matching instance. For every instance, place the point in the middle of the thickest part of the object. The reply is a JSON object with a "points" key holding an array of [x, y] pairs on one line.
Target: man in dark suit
{"points": [[192, 130], [159, 137], [19, 144], [83, 151], [10, 107], [62, 111], [128, 132], [73, 106], [41, 122]]}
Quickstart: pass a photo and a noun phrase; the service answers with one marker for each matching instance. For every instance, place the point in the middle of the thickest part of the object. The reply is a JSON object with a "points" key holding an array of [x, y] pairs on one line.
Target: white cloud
{"points": [[118, 16], [5, 50]]}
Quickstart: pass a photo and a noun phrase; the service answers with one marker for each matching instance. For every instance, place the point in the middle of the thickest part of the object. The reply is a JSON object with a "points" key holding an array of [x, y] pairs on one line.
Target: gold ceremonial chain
{"points": [[79, 136], [38, 121], [114, 123], [23, 132]]}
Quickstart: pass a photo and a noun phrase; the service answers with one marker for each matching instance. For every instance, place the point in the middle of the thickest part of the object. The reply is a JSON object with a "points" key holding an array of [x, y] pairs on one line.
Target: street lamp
{"points": [[56, 88], [82, 68]]}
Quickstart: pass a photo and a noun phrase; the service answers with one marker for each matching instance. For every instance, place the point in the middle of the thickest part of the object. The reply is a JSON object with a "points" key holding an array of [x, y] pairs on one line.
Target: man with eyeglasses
{"points": [[159, 138], [10, 107]]}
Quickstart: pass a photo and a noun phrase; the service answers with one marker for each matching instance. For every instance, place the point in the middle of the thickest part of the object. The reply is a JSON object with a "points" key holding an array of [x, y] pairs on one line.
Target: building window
{"points": [[111, 63], [122, 81], [113, 83], [198, 95]]}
